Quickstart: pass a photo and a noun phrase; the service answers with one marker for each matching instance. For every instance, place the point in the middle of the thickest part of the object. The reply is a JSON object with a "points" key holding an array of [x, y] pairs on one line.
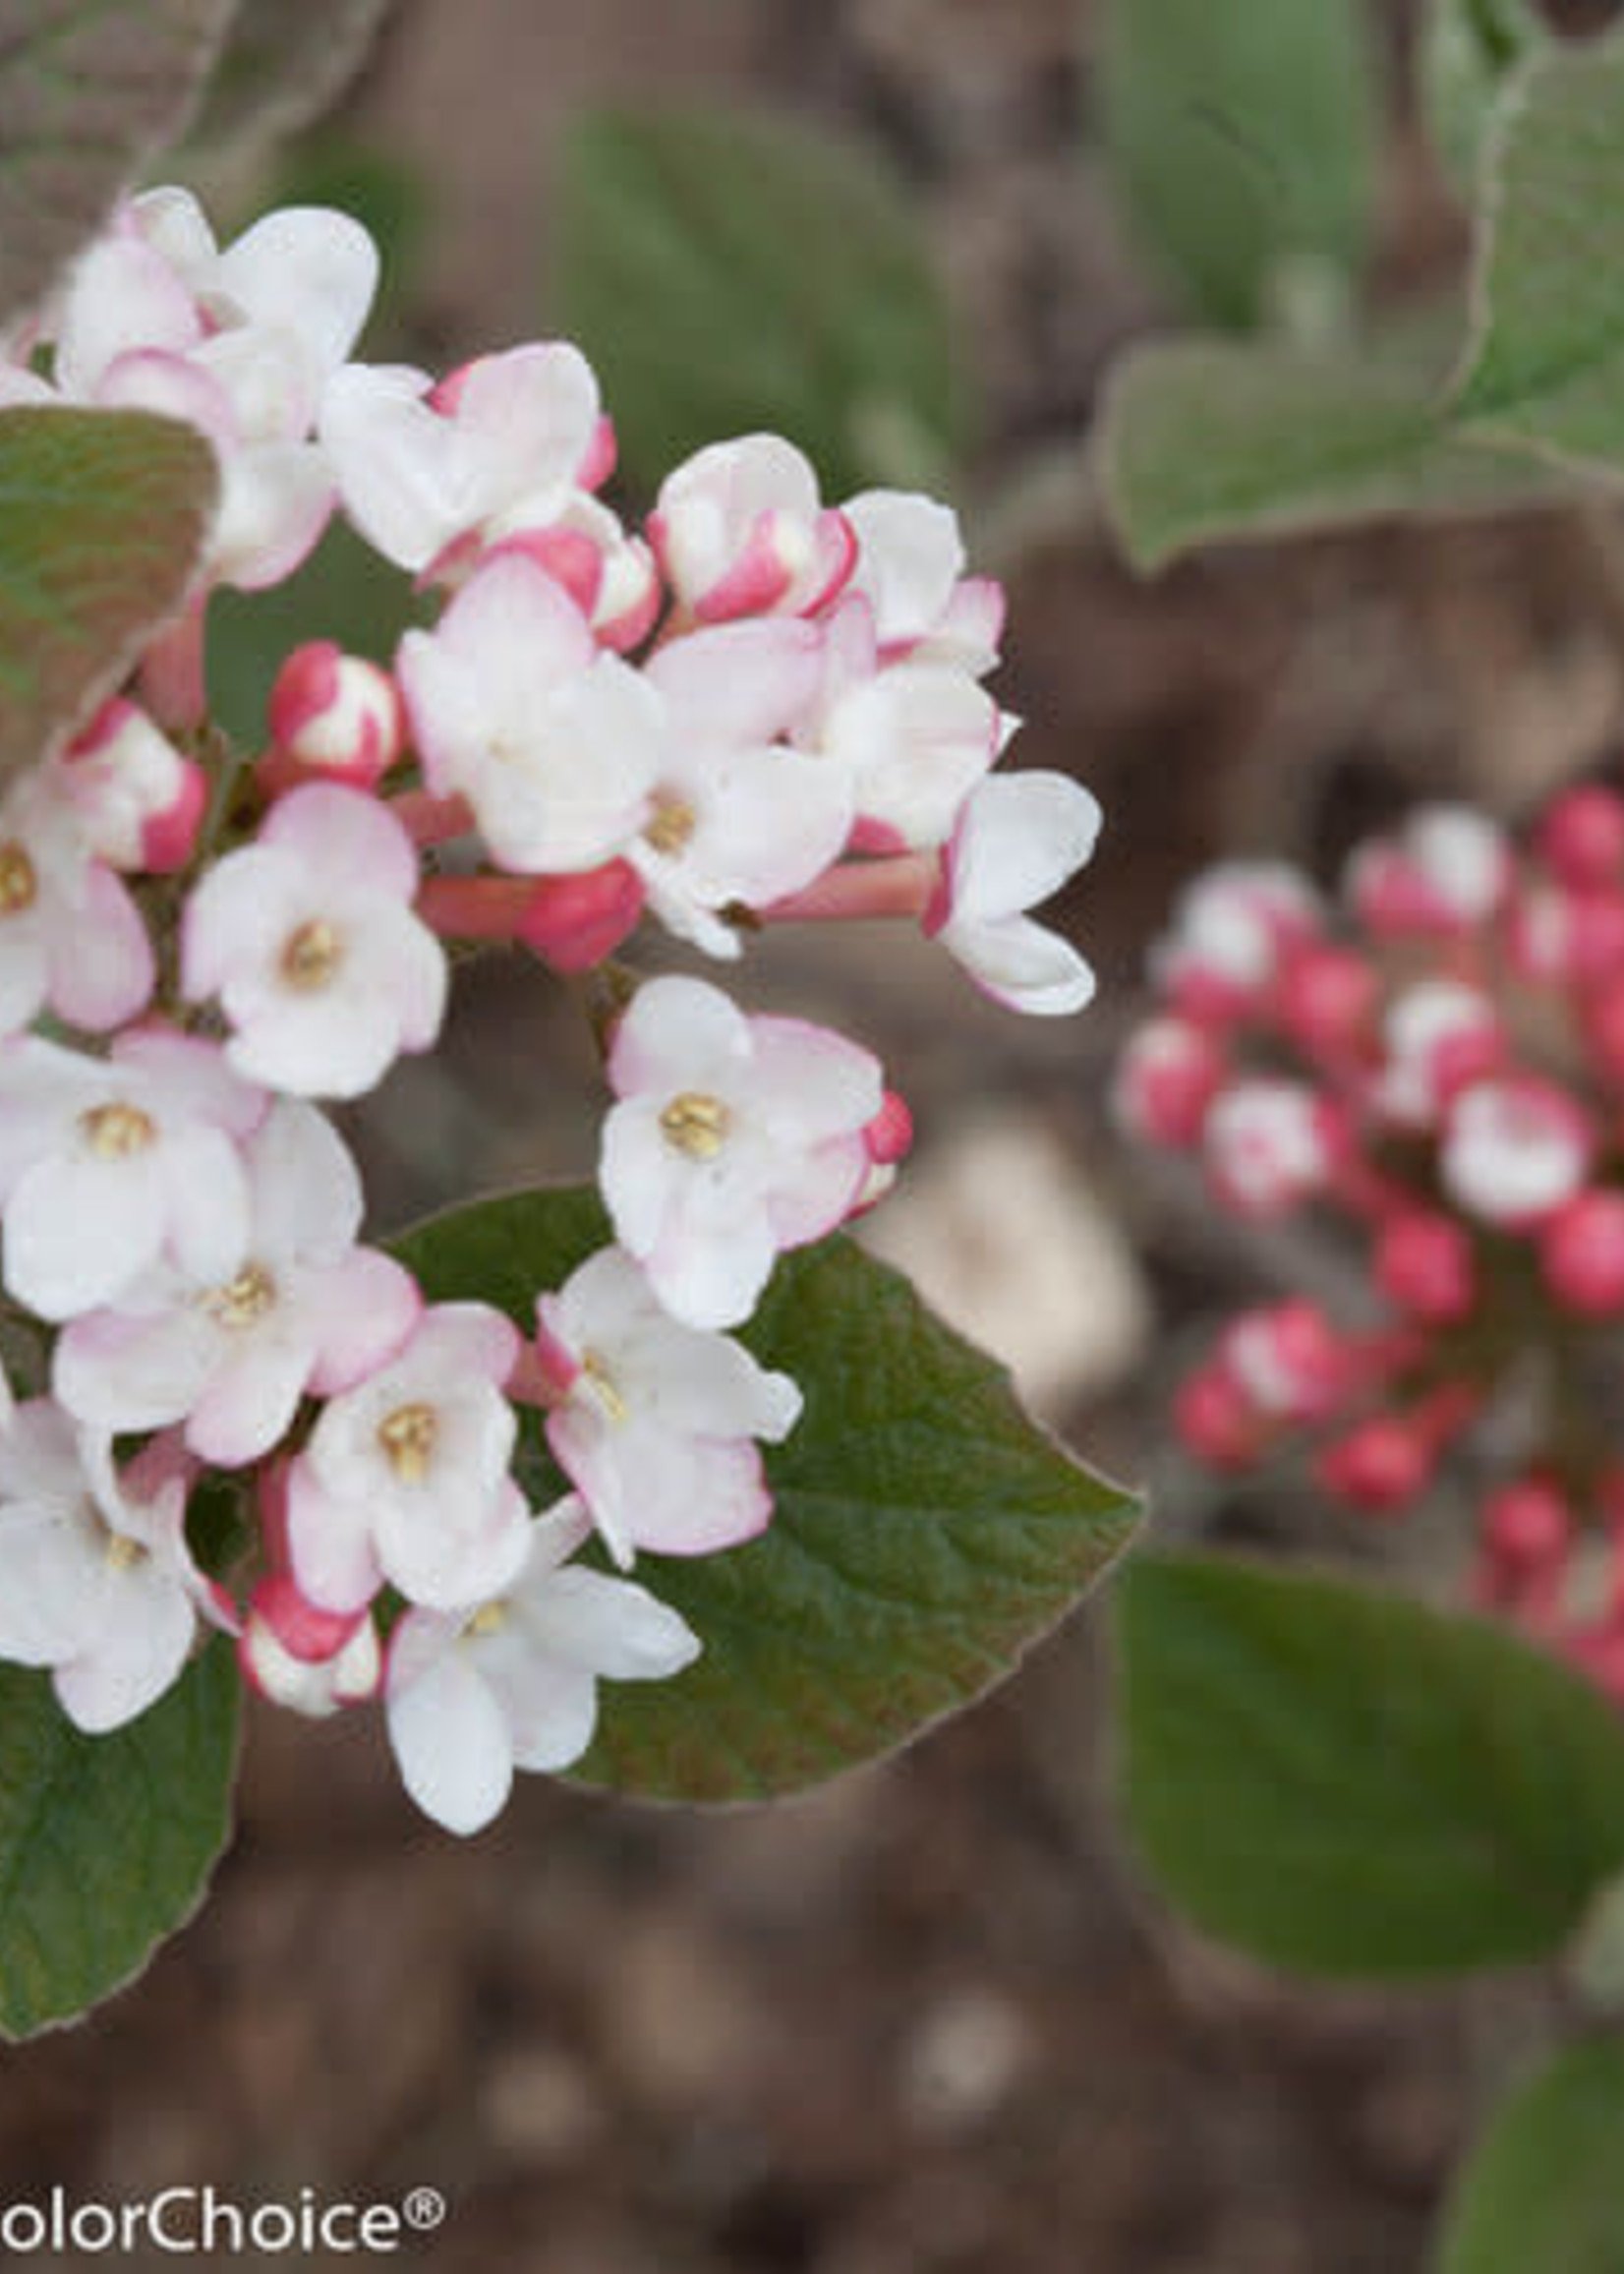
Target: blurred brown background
{"points": [[926, 2021]]}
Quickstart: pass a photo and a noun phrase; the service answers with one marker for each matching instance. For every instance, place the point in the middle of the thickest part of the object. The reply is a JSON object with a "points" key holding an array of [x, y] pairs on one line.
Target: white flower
{"points": [[513, 1684], [99, 1583], [1019, 838], [910, 568], [309, 940], [70, 934], [306, 1310], [739, 530], [406, 1477], [554, 744], [1515, 1150], [655, 1419], [733, 1138], [108, 1167]]}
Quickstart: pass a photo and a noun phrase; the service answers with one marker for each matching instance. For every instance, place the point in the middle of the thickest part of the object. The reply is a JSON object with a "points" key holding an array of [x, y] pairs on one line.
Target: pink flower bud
{"points": [[1269, 1146], [1425, 1264], [1526, 1526], [1378, 1467], [1582, 836], [1444, 873], [1232, 929], [890, 1135], [1602, 1016], [138, 802], [572, 923], [1326, 999], [1167, 1078], [1515, 1152], [1289, 1361], [1581, 1255], [1216, 1422], [336, 715]]}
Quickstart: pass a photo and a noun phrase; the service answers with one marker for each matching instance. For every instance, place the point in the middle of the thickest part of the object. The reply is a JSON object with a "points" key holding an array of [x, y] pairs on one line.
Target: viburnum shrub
{"points": [[1439, 1066], [467, 1480]]}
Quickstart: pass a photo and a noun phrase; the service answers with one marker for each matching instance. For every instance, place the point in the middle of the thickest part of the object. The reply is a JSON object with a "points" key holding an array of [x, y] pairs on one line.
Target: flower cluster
{"points": [[1440, 1065], [755, 709]]}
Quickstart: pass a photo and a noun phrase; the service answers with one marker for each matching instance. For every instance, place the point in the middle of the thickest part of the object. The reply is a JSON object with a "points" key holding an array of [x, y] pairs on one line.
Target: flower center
{"points": [[671, 824], [696, 1123], [243, 1300], [408, 1437], [124, 1553], [490, 1618], [602, 1386], [310, 956], [19, 880], [114, 1131]]}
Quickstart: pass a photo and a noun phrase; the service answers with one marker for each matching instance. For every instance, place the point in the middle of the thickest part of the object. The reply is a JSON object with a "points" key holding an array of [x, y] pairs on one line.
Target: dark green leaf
{"points": [[1244, 143], [103, 519], [285, 64], [728, 273], [106, 1844], [88, 92], [1547, 368], [925, 1533], [1351, 1784], [1470, 50], [1544, 2194], [1205, 439]]}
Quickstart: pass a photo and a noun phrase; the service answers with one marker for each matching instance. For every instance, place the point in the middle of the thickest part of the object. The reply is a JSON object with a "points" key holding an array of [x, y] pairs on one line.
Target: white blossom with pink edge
{"points": [[1515, 1150], [910, 569], [739, 529], [472, 1696], [737, 817], [100, 1586], [308, 938], [71, 937], [239, 343], [405, 1476], [306, 1310], [138, 802], [108, 1167], [556, 745], [652, 1421], [1019, 838], [732, 1139]]}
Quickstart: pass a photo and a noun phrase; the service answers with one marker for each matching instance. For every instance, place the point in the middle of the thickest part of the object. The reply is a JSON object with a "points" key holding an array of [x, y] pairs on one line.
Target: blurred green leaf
{"points": [[103, 519], [88, 93], [925, 1533], [1544, 2194], [1547, 366], [1203, 439], [285, 63], [1244, 143], [106, 1844], [728, 273], [1469, 52], [1349, 1783]]}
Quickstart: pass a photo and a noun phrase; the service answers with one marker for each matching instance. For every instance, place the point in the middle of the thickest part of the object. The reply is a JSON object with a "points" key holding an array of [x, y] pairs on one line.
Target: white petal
{"points": [[451, 1744]]}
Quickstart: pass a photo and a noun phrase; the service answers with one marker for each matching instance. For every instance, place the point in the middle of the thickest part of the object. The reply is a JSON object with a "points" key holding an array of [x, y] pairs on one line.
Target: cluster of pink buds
{"points": [[1441, 1066], [759, 708]]}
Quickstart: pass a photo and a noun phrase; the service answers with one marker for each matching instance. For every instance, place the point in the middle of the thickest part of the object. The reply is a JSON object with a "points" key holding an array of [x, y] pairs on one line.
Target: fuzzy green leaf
{"points": [[1542, 2193], [728, 273], [103, 519], [106, 1844], [1349, 1783], [926, 1532]]}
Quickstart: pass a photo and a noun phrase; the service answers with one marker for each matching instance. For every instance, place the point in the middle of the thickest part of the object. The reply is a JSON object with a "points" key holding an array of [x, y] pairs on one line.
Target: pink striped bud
{"points": [[1269, 1146], [1444, 873], [1526, 1526], [1425, 1264], [333, 714], [1326, 1000], [1581, 1255], [1289, 1362], [572, 923], [1166, 1080], [1380, 1467], [1216, 1422], [1515, 1152]]}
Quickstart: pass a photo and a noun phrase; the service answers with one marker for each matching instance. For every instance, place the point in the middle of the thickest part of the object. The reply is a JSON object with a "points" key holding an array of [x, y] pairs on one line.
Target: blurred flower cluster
{"points": [[1437, 1063], [757, 708]]}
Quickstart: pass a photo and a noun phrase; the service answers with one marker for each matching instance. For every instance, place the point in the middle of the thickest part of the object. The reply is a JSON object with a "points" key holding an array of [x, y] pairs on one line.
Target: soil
{"points": [[928, 2020]]}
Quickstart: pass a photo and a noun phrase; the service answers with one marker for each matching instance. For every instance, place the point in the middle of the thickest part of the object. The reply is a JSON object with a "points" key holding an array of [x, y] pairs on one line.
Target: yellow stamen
{"points": [[19, 880], [124, 1553], [601, 1384], [408, 1436], [672, 824], [310, 956], [114, 1131], [696, 1125], [490, 1618], [243, 1300]]}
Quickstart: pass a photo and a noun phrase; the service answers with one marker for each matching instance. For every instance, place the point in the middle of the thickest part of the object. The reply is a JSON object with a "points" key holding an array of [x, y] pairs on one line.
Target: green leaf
{"points": [[284, 65], [1543, 2194], [1207, 439], [103, 519], [88, 93], [1351, 1784], [1470, 50], [925, 1533], [728, 273], [1244, 143], [106, 1844], [1547, 366]]}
